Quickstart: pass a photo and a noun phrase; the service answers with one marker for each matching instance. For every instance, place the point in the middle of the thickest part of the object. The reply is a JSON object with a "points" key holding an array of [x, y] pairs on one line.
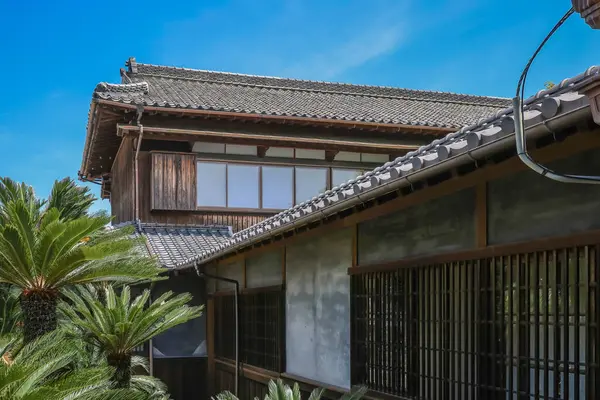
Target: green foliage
{"points": [[119, 324], [281, 391], [40, 371], [122, 324], [10, 311], [71, 200], [15, 192], [549, 85]]}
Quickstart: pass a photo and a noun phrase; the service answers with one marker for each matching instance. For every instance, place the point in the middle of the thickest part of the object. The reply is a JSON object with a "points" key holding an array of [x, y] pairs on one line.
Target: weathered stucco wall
{"points": [[527, 206], [318, 308], [439, 225], [233, 270], [265, 269], [211, 284]]}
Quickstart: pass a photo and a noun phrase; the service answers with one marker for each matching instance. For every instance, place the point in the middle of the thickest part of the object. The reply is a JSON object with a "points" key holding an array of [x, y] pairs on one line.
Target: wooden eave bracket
{"points": [[592, 91], [589, 11]]}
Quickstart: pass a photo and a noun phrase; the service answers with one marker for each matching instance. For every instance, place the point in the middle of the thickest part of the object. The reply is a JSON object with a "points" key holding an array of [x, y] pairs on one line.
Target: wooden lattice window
{"points": [[262, 329], [514, 326]]}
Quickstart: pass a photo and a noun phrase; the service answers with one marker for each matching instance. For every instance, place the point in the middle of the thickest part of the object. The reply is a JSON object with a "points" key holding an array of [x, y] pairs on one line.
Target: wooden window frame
{"points": [[478, 296], [328, 167], [249, 343]]}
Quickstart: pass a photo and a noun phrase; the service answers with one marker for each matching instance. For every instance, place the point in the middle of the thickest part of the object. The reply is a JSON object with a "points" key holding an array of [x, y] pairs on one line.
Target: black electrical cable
{"points": [[523, 79]]}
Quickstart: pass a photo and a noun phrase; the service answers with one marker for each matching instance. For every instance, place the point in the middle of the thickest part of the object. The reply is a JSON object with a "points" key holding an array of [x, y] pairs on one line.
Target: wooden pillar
{"points": [[210, 345], [355, 245], [481, 215]]}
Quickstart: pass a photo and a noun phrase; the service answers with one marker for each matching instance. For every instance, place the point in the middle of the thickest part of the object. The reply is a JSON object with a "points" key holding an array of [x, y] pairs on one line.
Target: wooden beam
{"points": [[308, 142], [588, 238], [571, 146], [289, 120], [262, 151], [330, 155]]}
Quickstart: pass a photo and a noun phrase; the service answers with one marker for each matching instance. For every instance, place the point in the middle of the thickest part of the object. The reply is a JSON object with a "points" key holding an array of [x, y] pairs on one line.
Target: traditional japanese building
{"points": [[379, 236]]}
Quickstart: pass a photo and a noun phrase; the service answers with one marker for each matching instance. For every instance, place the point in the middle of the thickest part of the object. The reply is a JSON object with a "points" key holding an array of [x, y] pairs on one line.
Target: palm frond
{"points": [[10, 311], [71, 201], [40, 371], [356, 393], [153, 387], [121, 324], [226, 395]]}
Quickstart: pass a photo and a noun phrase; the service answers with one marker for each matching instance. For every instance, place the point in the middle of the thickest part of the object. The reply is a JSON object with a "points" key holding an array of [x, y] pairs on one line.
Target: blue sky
{"points": [[52, 54]]}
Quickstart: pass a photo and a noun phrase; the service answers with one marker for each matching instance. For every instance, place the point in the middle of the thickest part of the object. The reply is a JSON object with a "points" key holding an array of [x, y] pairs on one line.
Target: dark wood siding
{"points": [[185, 377], [122, 186], [173, 181], [237, 220]]}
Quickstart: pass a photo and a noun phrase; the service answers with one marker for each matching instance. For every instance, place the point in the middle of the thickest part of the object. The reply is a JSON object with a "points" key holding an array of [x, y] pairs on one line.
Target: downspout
{"points": [[151, 341], [237, 321], [521, 142], [140, 111]]}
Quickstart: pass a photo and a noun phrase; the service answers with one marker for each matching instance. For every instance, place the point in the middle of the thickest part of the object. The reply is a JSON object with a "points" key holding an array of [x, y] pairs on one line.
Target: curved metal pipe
{"points": [[140, 112], [521, 143], [237, 321]]}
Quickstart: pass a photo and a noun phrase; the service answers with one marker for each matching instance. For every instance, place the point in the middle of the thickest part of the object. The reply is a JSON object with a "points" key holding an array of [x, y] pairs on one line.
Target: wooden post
{"points": [[283, 265], [481, 214], [355, 245], [210, 345]]}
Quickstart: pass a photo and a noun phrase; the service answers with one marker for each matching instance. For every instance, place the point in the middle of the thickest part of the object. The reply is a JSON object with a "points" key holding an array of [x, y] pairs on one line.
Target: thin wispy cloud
{"points": [[356, 51], [305, 39]]}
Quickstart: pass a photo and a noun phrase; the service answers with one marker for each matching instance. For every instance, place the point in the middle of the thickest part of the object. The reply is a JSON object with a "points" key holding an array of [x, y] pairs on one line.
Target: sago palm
{"points": [[10, 311], [120, 324], [71, 200], [13, 192], [40, 371], [278, 390], [43, 257]]}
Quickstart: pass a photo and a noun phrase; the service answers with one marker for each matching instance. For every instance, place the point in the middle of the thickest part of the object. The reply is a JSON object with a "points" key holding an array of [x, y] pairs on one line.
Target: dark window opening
{"points": [[520, 326], [262, 329]]}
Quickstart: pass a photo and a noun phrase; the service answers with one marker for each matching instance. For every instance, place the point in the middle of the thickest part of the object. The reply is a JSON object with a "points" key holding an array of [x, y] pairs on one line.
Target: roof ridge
{"points": [[419, 91], [193, 226], [337, 92]]}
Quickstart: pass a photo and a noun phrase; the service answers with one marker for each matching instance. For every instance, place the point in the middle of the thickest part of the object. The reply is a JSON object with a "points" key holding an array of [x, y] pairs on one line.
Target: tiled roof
{"points": [[546, 105], [171, 87], [172, 244]]}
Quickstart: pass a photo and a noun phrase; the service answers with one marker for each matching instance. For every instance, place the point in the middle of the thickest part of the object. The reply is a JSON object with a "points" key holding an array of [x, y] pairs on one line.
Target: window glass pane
{"points": [[242, 186], [211, 184], [310, 182], [339, 176], [277, 187]]}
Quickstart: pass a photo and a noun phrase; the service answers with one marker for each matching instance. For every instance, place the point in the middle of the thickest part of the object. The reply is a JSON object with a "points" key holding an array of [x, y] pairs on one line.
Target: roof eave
{"points": [[90, 131], [422, 129]]}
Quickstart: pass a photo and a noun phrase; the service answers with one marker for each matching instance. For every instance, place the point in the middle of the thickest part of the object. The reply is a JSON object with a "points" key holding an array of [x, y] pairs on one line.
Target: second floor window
{"points": [[268, 187]]}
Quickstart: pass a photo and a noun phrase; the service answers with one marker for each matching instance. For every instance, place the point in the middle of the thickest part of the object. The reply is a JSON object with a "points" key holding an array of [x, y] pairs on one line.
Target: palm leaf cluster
{"points": [[120, 324], [55, 255], [41, 253], [278, 390], [41, 371]]}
